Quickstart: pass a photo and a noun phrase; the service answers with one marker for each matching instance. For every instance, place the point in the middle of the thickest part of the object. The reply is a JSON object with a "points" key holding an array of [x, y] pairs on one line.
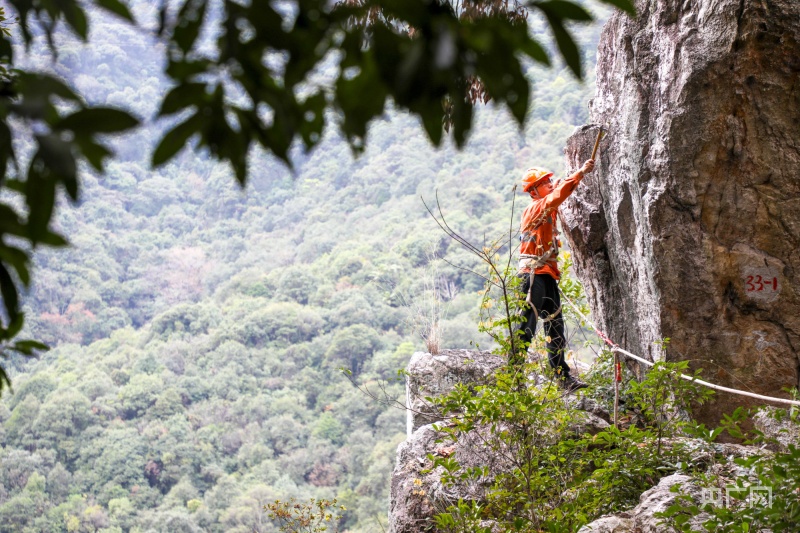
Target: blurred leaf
{"points": [[566, 44], [16, 323], [116, 7], [190, 20], [94, 152], [10, 296], [76, 18], [176, 139], [162, 18], [535, 51], [29, 347], [6, 149], [98, 120], [53, 239], [14, 185], [40, 198], [6, 50], [17, 259], [180, 70], [462, 122], [45, 86], [4, 381], [564, 10], [183, 96], [361, 97], [313, 119], [59, 162]]}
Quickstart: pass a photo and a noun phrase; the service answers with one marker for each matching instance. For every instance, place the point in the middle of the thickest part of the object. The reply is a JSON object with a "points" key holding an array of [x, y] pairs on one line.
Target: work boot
{"points": [[571, 384]]}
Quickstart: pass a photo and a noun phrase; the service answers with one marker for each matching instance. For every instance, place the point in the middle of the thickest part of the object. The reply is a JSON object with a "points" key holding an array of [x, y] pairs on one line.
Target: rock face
{"points": [[436, 375], [779, 427], [642, 519], [690, 226], [417, 492]]}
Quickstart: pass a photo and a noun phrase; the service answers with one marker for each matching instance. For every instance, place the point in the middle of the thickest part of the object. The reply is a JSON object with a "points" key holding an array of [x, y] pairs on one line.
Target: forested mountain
{"points": [[198, 328]]}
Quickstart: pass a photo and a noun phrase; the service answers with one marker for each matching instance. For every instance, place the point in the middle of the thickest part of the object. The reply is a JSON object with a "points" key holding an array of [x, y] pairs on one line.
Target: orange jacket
{"points": [[538, 225]]}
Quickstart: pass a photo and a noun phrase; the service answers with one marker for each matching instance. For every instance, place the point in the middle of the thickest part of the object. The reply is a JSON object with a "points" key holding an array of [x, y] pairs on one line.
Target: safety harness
{"points": [[533, 262]]}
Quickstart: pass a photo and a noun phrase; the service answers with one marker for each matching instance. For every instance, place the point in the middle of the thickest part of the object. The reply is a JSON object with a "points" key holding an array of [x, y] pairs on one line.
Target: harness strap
{"points": [[532, 262]]}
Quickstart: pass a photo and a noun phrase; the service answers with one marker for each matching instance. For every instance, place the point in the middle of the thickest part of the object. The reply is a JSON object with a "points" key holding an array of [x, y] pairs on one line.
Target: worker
{"points": [[538, 266]]}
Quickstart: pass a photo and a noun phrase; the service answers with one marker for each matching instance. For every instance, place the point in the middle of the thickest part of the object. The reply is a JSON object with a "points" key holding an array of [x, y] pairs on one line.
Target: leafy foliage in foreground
{"points": [[743, 510], [556, 477]]}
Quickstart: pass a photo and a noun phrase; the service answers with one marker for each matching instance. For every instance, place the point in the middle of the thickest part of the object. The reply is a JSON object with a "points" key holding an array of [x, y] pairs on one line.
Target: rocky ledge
{"points": [[417, 491]]}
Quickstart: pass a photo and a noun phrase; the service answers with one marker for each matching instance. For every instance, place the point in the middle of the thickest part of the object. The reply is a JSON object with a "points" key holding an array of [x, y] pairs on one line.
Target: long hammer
{"points": [[597, 142]]}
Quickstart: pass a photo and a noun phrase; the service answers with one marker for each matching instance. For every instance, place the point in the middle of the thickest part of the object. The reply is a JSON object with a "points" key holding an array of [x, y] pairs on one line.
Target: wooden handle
{"points": [[597, 142]]}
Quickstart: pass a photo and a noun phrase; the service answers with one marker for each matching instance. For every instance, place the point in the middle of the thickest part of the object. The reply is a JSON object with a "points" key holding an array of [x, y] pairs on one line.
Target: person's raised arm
{"points": [[567, 186]]}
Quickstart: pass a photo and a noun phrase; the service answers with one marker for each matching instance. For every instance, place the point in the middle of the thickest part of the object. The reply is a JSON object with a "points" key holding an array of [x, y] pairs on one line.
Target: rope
{"points": [[616, 349]]}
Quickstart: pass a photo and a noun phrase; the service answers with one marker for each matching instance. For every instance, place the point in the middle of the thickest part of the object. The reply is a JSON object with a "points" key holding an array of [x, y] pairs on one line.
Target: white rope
{"points": [[616, 348]]}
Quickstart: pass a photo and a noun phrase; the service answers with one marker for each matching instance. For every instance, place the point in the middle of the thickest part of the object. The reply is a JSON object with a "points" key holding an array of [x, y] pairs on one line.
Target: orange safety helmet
{"points": [[533, 178]]}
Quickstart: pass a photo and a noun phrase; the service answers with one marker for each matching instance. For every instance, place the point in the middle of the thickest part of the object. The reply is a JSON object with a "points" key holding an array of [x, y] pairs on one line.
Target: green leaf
{"points": [[94, 152], [563, 9], [462, 120], [176, 139], [15, 326], [6, 149], [53, 239], [42, 85], [179, 70], [116, 7], [76, 19], [41, 200], [361, 98], [190, 20], [6, 50], [162, 18], [10, 221], [56, 154], [567, 47], [313, 119], [98, 120], [4, 381], [29, 347], [17, 259], [535, 51], [8, 289], [183, 96]]}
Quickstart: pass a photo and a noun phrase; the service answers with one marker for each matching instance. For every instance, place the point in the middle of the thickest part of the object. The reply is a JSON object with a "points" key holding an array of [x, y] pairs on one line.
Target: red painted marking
{"points": [[757, 284]]}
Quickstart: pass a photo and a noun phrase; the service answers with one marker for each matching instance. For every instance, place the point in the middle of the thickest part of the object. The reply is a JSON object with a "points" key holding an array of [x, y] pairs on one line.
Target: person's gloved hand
{"points": [[588, 166]]}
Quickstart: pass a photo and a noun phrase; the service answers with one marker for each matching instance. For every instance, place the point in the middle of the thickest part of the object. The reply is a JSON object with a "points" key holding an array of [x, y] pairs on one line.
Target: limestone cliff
{"points": [[690, 226]]}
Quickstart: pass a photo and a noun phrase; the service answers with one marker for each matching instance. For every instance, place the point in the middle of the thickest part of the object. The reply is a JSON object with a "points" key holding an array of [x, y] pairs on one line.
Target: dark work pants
{"points": [[546, 305]]}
